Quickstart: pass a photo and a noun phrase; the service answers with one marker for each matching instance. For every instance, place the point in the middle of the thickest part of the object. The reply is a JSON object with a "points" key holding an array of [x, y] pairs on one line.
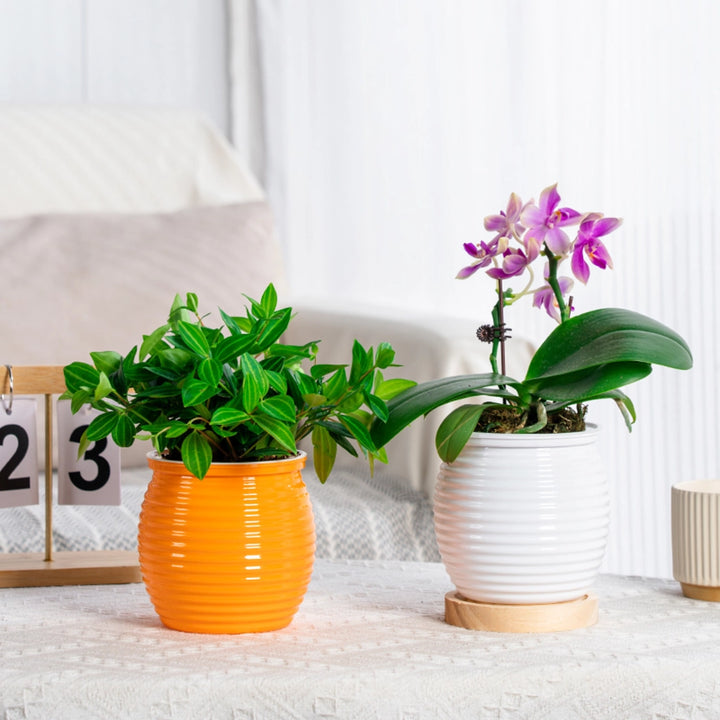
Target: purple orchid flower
{"points": [[545, 221], [592, 228], [514, 263], [483, 254], [545, 297], [507, 224]]}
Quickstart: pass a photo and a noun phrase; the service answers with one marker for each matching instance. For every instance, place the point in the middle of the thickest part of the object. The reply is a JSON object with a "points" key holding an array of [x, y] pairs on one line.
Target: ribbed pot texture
{"points": [[523, 519], [231, 553], [696, 532]]}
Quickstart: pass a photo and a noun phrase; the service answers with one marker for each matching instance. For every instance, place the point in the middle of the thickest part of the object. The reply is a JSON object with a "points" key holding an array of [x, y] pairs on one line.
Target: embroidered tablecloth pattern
{"points": [[368, 642]]}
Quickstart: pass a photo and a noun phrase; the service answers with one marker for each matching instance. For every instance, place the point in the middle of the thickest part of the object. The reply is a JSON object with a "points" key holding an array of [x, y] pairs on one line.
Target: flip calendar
{"points": [[90, 478]]}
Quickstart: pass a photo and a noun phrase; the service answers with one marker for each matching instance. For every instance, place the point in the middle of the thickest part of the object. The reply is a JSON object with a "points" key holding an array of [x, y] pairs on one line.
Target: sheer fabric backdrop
{"points": [[392, 127]]}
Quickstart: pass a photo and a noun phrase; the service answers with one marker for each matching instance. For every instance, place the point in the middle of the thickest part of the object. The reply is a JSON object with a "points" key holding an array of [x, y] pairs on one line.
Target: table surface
{"points": [[369, 641]]}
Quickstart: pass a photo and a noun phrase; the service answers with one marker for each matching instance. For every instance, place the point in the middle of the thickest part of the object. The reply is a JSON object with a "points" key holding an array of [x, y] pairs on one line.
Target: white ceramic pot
{"points": [[523, 519]]}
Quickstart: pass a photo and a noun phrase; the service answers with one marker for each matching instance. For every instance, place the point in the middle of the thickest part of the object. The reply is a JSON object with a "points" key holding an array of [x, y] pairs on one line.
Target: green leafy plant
{"points": [[234, 393], [586, 357]]}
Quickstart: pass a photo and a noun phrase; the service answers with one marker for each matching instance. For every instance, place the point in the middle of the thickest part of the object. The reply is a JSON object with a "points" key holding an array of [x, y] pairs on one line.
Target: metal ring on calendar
{"points": [[7, 407]]}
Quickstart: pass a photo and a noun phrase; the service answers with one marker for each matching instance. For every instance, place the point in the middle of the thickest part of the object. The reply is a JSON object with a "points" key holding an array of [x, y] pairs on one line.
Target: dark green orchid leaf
{"points": [[586, 384], [422, 398], [624, 404], [610, 335], [455, 430]]}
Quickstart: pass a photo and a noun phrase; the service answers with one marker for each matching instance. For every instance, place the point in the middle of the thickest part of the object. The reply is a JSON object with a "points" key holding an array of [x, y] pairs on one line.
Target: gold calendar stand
{"points": [[97, 567]]}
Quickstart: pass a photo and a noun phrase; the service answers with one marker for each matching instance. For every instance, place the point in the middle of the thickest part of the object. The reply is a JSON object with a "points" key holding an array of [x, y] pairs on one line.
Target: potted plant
{"points": [[226, 536], [521, 504]]}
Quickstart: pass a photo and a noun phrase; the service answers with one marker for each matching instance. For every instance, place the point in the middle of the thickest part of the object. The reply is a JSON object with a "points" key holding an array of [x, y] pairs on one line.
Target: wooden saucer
{"points": [[551, 617], [701, 592]]}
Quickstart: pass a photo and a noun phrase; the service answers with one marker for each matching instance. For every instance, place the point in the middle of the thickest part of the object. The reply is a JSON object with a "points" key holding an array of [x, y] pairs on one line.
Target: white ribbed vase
{"points": [[523, 519]]}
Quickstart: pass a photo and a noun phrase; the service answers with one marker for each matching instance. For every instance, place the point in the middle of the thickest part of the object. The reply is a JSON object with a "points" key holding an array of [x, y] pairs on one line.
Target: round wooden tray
{"points": [[552, 617]]}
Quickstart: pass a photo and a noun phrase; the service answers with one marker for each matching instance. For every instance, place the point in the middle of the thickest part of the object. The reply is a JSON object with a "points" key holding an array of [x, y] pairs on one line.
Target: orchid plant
{"points": [[587, 357]]}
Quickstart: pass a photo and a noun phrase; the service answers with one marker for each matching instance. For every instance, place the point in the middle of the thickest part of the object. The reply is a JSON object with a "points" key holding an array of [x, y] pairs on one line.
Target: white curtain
{"points": [[391, 127]]}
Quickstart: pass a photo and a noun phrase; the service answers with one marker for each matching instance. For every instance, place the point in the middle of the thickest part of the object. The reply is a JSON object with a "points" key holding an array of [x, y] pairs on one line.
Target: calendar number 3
{"points": [[93, 454]]}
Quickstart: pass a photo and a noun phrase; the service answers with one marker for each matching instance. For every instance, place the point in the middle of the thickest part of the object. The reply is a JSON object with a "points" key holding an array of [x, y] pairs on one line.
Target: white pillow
{"points": [[86, 158], [76, 283]]}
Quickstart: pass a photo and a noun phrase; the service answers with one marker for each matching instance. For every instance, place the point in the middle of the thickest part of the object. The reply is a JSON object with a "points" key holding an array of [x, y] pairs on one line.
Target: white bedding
{"points": [[356, 517]]}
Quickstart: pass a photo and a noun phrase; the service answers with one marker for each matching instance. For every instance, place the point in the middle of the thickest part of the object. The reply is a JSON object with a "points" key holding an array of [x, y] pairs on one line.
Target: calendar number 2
{"points": [[7, 482]]}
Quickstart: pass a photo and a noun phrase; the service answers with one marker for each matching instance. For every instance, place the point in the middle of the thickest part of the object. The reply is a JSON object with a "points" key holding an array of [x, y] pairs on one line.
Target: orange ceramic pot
{"points": [[231, 553]]}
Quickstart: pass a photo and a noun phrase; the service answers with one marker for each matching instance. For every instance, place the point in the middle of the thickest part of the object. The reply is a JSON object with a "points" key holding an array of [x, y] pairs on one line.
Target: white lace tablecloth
{"points": [[368, 642]]}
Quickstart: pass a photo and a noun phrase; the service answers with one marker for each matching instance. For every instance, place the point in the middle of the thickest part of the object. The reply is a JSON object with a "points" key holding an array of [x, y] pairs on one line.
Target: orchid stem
{"points": [[553, 282], [498, 341], [501, 325]]}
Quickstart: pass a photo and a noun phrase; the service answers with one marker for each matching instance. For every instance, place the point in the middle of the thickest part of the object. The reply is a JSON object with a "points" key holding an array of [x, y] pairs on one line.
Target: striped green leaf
{"points": [[196, 454], [80, 375], [255, 382], [324, 452], [193, 337], [195, 392], [101, 426], [278, 430]]}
